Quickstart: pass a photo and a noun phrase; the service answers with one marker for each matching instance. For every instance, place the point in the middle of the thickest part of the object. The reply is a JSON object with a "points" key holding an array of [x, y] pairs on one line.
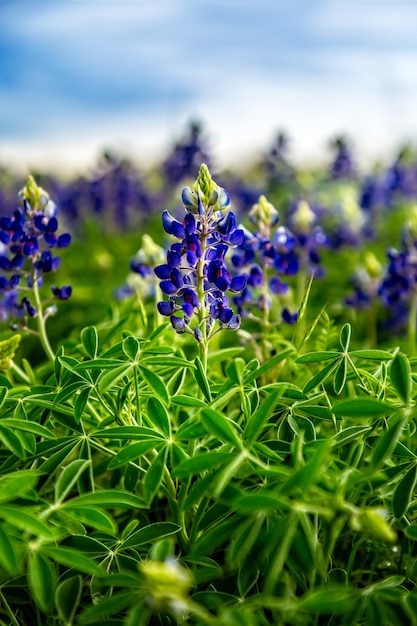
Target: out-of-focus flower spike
{"points": [[263, 214]]}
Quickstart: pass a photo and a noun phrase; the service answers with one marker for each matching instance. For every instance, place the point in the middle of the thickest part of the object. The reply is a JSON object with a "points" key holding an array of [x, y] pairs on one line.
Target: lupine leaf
{"points": [[220, 426], [318, 357], [159, 416], [70, 558], [320, 376], [361, 407], [7, 554], [201, 378], [155, 383], [345, 335], [403, 492], [17, 484], [131, 348], [201, 462], [153, 476], [400, 374], [133, 451], [89, 339], [67, 598], [149, 533], [96, 518], [260, 417], [69, 477], [81, 403], [108, 498], [42, 580], [278, 358], [386, 443], [340, 377], [110, 378], [372, 355]]}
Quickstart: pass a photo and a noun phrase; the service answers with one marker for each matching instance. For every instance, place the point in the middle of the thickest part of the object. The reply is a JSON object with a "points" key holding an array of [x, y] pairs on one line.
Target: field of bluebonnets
{"points": [[207, 392]]}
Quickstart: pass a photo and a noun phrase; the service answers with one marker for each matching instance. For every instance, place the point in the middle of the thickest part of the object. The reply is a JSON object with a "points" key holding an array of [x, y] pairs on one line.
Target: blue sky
{"points": [[79, 75]]}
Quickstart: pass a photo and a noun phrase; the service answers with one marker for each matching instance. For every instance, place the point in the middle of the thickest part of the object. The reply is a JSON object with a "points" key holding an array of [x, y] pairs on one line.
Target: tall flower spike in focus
{"points": [[28, 241], [195, 279]]}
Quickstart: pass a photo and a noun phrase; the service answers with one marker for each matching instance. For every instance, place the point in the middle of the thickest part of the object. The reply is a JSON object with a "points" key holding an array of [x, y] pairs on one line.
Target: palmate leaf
{"points": [[156, 384], [89, 339], [67, 598], [133, 451], [153, 476], [400, 374], [220, 426], [71, 558]]}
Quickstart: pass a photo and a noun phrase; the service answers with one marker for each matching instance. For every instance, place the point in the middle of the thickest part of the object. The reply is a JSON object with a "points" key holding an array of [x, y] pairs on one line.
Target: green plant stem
{"points": [[13, 620], [40, 319]]}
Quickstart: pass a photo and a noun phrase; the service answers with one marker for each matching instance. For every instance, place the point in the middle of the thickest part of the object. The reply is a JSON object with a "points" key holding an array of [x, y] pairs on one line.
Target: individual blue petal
{"points": [[234, 323], [288, 317], [4, 263], [256, 277], [188, 309], [5, 223], [62, 293], [189, 198], [222, 283], [223, 198], [168, 287], [174, 256], [238, 283], [237, 237], [178, 324], [52, 225], [50, 239], [165, 308], [4, 237], [64, 240], [277, 286], [172, 226], [225, 315], [189, 224], [17, 261], [163, 272], [227, 224]]}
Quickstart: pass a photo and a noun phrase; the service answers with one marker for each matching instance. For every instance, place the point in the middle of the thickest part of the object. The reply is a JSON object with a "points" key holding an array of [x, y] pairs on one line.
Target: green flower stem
{"points": [[40, 319]]}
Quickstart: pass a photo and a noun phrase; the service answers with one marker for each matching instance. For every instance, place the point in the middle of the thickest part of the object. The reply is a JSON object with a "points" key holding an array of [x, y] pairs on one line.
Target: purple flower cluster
{"points": [[195, 277], [27, 242], [266, 256]]}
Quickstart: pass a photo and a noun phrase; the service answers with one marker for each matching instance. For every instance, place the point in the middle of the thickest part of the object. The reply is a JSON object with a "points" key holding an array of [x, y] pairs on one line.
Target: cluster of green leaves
{"points": [[137, 488]]}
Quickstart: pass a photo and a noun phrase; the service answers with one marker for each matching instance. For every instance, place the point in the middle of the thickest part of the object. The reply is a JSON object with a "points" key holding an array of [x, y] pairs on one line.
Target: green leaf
{"points": [[182, 400], [71, 558], [318, 357], [261, 416], [107, 606], [386, 443], [7, 555], [340, 377], [321, 376], [155, 383], [372, 355], [337, 600], [253, 503], [400, 374], [133, 452], [28, 426], [17, 484], [201, 378], [69, 477], [153, 476], [159, 416], [302, 478], [235, 370], [42, 580], [11, 441], [111, 378], [89, 339], [3, 395], [202, 462], [67, 598], [352, 433], [361, 407], [403, 492], [411, 532], [345, 335], [278, 358], [315, 410], [108, 498], [80, 403], [127, 432], [131, 348], [220, 426], [151, 532], [96, 518]]}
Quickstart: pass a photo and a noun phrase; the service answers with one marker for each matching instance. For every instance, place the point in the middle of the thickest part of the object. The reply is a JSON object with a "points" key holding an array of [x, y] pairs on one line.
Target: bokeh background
{"points": [[78, 76]]}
